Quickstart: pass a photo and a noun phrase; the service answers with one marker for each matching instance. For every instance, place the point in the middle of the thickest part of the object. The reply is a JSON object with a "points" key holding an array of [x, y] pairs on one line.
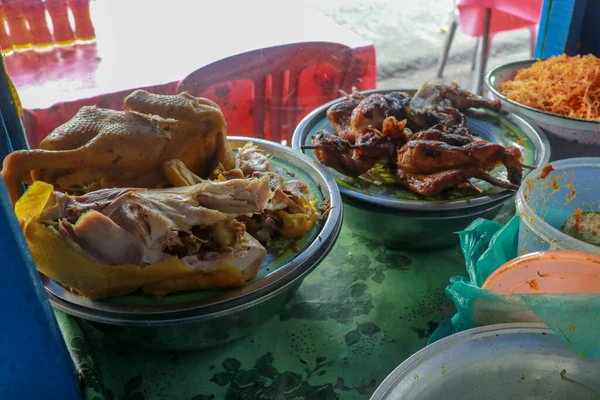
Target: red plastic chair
{"points": [[265, 93], [506, 15], [485, 18], [322, 71]]}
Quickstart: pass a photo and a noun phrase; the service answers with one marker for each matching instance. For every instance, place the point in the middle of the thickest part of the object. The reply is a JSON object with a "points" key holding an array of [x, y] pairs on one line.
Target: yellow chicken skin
{"points": [[101, 148]]}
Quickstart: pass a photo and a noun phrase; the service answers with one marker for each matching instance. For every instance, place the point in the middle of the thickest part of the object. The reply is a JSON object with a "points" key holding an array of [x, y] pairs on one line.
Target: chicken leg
{"points": [[117, 140], [428, 157]]}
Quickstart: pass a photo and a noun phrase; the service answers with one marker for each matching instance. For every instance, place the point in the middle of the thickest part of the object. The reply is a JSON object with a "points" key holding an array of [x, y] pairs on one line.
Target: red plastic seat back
{"points": [[506, 15], [264, 93]]}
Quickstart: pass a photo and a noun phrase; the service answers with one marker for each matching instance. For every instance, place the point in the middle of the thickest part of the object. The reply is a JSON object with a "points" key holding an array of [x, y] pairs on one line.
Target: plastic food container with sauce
{"points": [[549, 196], [558, 271], [557, 288]]}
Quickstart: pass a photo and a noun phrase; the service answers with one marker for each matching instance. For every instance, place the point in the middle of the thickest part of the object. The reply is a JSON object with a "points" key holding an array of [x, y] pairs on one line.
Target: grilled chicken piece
{"points": [[428, 157], [428, 167], [382, 146], [441, 104], [339, 115], [441, 136], [338, 154], [100, 148], [370, 147], [373, 110], [433, 184], [513, 161], [141, 226]]}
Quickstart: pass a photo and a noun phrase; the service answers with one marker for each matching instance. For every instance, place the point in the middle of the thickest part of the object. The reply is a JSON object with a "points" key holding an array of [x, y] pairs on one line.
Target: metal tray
{"points": [[280, 275]]}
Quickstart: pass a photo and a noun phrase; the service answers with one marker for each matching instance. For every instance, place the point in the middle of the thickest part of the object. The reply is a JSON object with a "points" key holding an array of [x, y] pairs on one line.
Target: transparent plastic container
{"points": [[552, 194], [507, 361]]}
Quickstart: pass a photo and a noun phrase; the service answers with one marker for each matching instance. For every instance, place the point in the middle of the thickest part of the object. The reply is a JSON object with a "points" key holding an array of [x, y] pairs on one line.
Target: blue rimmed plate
{"points": [[497, 127]]}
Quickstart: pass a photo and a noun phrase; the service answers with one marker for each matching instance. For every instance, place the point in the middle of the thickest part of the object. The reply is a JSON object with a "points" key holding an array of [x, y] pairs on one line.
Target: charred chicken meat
{"points": [[423, 138]]}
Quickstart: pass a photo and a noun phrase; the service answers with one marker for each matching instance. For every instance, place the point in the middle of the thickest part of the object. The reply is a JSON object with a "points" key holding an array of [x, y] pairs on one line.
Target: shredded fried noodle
{"points": [[563, 85]]}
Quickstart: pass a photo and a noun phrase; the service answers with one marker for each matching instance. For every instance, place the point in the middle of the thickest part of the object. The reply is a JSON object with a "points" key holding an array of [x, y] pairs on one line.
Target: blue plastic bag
{"points": [[486, 245]]}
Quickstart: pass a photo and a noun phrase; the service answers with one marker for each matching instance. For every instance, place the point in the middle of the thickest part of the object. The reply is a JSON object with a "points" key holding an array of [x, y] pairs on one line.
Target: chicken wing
{"points": [[441, 104], [433, 184]]}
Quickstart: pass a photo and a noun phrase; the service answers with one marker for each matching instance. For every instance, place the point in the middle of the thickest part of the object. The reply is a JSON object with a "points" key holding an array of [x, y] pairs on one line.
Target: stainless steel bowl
{"points": [[509, 361], [570, 137], [422, 223], [195, 320], [414, 230]]}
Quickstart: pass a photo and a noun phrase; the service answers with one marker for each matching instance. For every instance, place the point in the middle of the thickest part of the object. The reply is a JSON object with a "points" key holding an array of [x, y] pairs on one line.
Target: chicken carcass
{"points": [[102, 148], [291, 212], [148, 225], [135, 232]]}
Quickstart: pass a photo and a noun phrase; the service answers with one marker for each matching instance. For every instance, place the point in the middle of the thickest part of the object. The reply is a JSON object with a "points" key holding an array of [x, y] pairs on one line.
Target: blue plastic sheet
{"points": [[35, 362], [486, 245]]}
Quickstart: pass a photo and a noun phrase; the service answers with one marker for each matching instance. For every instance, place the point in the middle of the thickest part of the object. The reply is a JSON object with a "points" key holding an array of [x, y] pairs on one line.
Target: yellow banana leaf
{"points": [[296, 226]]}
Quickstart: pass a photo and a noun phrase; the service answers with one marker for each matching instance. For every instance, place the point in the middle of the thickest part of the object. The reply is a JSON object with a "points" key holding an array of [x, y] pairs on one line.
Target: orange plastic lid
{"points": [[553, 271]]}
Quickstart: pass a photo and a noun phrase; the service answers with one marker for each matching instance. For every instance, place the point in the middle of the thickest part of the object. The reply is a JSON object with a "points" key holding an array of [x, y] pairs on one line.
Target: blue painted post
{"points": [[568, 27], [590, 29], [34, 360], [35, 363]]}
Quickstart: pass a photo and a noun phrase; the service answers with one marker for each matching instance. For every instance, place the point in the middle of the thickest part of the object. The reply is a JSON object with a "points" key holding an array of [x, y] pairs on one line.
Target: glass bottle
{"points": [[5, 38], [84, 28], [59, 14], [17, 24], [35, 13]]}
